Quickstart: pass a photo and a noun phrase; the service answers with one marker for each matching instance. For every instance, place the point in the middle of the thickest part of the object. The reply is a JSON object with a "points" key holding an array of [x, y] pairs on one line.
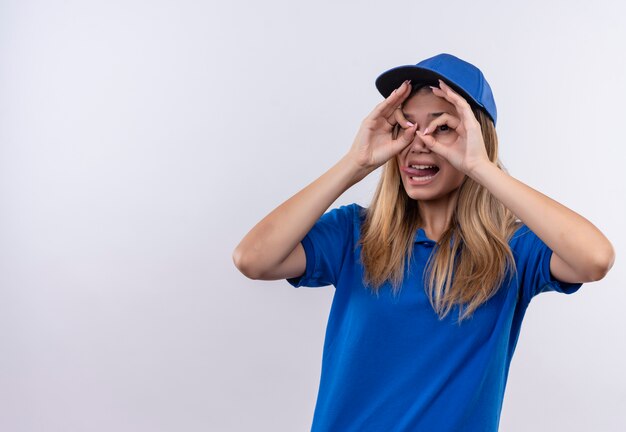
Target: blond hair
{"points": [[471, 259]]}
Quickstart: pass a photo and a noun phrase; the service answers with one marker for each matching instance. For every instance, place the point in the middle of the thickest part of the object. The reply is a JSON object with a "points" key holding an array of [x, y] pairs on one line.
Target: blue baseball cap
{"points": [[464, 78]]}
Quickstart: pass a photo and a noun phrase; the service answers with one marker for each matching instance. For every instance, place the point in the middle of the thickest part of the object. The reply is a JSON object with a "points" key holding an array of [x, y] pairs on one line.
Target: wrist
{"points": [[482, 170], [355, 171]]}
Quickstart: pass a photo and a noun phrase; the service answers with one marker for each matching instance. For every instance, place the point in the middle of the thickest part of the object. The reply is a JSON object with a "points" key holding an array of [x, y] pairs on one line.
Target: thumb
{"points": [[404, 139], [434, 145]]}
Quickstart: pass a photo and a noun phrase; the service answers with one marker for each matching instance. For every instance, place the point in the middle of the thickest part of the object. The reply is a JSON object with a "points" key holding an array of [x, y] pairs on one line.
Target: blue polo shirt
{"points": [[389, 363]]}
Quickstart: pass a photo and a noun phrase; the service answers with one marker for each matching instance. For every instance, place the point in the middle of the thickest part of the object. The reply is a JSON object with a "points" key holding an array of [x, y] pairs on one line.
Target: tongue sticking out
{"points": [[423, 172]]}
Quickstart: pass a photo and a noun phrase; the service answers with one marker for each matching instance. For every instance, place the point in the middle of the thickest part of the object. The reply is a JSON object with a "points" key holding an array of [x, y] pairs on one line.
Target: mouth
{"points": [[421, 173]]}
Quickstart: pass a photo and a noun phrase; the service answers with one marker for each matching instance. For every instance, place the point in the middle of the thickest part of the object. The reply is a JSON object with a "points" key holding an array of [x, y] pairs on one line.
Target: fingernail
{"points": [[425, 131], [433, 87], [409, 124]]}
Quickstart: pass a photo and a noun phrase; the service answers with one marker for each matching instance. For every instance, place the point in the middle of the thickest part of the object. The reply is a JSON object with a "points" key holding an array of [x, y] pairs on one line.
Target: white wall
{"points": [[141, 140]]}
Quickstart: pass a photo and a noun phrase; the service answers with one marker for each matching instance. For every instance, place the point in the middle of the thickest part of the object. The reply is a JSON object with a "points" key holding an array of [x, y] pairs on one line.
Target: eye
{"points": [[447, 128]]}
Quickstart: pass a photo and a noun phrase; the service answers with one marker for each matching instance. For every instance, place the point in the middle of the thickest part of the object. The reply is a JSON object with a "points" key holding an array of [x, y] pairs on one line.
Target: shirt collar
{"points": [[420, 237]]}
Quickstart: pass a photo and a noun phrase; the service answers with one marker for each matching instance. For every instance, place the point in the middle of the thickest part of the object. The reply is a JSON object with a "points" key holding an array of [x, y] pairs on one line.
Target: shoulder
{"points": [[349, 212], [353, 208], [521, 233], [524, 241], [347, 218]]}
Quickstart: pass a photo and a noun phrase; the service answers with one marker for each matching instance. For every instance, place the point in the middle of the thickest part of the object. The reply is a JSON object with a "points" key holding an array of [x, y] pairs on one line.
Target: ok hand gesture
{"points": [[468, 150], [374, 145]]}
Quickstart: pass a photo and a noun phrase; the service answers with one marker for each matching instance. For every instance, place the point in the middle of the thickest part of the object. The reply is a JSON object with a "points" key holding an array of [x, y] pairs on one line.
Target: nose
{"points": [[418, 146]]}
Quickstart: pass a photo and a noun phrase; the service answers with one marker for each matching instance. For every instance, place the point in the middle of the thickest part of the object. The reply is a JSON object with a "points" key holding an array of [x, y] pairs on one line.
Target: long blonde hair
{"points": [[471, 259]]}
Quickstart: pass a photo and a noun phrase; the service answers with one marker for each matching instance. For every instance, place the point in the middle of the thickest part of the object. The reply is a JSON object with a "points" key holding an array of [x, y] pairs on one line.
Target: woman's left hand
{"points": [[468, 150]]}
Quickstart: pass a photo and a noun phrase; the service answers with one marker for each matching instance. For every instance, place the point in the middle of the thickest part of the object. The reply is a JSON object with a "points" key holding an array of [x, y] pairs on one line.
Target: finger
{"points": [[386, 107], [400, 118], [392, 119], [461, 105], [435, 145], [403, 140], [444, 119]]}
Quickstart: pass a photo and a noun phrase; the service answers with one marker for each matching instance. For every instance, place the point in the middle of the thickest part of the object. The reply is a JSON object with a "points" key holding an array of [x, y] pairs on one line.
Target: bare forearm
{"points": [[271, 240], [570, 236]]}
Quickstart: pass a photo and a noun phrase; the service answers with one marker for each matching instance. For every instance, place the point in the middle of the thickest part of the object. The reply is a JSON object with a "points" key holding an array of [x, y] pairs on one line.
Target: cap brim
{"points": [[390, 80]]}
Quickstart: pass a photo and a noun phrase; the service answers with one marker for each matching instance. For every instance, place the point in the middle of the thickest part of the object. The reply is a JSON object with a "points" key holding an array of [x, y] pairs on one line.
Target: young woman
{"points": [[433, 279]]}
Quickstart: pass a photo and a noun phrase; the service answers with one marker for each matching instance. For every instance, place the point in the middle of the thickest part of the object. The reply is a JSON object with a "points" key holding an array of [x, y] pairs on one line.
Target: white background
{"points": [[141, 140]]}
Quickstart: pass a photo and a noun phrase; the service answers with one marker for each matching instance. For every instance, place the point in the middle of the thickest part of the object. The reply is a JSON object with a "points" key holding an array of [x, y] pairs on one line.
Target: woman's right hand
{"points": [[374, 144]]}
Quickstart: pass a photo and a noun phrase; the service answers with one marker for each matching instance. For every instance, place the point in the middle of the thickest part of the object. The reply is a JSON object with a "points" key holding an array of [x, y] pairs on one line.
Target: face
{"points": [[438, 182]]}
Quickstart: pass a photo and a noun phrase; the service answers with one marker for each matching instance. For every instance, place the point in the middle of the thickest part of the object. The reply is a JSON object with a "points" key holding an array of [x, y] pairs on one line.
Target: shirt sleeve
{"points": [[326, 245], [533, 266]]}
